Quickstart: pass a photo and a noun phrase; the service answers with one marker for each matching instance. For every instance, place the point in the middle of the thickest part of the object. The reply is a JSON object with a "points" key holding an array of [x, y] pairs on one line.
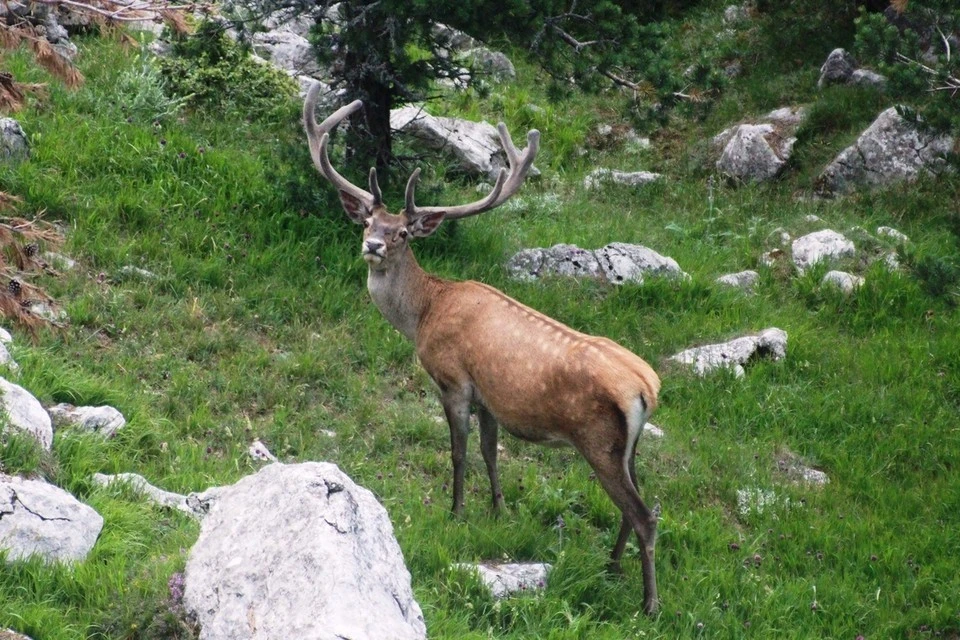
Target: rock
{"points": [[287, 50], [735, 353], [758, 151], [10, 634], [299, 551], [889, 151], [812, 218], [846, 282], [736, 13], [617, 262], [837, 69], [130, 271], [451, 39], [506, 579], [14, 146], [598, 177], [820, 245], [6, 359], [195, 505], [893, 234], [770, 258], [492, 64], [745, 280], [5, 337], [621, 262], [474, 146], [867, 78], [104, 421], [48, 312], [24, 413], [259, 451], [797, 472], [653, 430], [40, 519], [58, 261]]}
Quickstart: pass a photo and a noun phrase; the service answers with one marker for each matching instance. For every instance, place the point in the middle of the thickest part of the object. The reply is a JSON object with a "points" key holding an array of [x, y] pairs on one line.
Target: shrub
{"points": [[208, 69]]}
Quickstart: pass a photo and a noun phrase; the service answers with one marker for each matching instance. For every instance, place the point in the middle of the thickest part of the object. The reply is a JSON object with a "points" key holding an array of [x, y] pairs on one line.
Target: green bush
{"points": [[912, 48], [209, 70]]}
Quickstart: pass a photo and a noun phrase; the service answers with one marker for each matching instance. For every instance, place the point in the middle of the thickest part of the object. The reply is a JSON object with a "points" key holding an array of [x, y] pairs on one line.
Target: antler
{"points": [[505, 187], [318, 135]]}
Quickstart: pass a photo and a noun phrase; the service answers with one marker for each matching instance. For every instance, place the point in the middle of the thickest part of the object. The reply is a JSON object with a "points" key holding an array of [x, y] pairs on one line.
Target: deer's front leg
{"points": [[488, 447], [457, 409]]}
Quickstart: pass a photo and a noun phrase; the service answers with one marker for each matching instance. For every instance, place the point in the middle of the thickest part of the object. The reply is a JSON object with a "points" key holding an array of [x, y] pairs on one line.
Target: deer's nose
{"points": [[372, 246]]}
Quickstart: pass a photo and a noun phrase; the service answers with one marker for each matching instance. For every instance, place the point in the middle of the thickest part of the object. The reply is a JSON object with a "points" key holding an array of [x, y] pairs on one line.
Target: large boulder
{"points": [[474, 146], [889, 151], [759, 150], [40, 519], [618, 262], [25, 413], [299, 551]]}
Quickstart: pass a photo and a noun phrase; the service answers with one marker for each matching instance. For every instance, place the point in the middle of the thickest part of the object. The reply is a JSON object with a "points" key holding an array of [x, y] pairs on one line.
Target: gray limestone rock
{"points": [[599, 177], [506, 579], [617, 262], [826, 244], [14, 146], [745, 280], [299, 551], [40, 519], [104, 421], [25, 413], [889, 151], [735, 353], [846, 282]]}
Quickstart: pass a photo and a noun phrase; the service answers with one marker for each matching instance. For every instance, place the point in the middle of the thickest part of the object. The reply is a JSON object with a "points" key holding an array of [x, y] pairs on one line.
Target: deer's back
{"points": [[529, 370]]}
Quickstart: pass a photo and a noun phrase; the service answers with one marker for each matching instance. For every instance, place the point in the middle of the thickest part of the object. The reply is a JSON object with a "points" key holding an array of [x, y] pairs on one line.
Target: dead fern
{"points": [[23, 245]]}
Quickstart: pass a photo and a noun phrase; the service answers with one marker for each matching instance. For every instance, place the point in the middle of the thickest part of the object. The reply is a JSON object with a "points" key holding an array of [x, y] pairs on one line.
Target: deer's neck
{"points": [[402, 292]]}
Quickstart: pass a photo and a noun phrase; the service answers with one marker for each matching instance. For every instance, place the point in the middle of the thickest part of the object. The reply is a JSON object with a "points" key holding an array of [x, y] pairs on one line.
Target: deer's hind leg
{"points": [[488, 447]]}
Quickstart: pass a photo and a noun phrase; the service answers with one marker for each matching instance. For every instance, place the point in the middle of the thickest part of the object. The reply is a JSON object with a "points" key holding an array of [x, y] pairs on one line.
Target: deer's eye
{"points": [[366, 223], [402, 234]]}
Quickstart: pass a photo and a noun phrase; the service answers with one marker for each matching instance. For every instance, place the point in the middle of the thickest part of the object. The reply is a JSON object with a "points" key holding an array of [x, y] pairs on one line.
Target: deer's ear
{"points": [[355, 208], [426, 224]]}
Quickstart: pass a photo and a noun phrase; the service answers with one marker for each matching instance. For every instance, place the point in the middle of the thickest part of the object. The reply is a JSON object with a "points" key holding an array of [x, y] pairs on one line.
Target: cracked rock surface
{"points": [[890, 150], [618, 262], [37, 518], [299, 551], [735, 353]]}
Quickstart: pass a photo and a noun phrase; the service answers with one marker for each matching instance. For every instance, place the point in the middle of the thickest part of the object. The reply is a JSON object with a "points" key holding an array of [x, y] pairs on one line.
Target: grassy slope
{"points": [[258, 326]]}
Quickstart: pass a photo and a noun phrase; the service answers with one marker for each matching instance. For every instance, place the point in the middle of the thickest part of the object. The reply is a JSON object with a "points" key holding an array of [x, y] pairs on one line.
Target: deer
{"points": [[541, 380]]}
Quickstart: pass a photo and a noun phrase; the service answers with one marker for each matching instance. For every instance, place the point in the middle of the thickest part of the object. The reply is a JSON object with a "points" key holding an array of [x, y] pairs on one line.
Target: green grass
{"points": [[258, 326]]}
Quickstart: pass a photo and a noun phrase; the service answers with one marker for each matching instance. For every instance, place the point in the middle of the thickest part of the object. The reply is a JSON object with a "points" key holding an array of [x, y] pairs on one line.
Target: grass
{"points": [[257, 326]]}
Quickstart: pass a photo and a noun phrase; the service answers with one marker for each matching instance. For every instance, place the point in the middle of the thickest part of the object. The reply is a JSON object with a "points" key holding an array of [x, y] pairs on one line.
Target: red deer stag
{"points": [[543, 381]]}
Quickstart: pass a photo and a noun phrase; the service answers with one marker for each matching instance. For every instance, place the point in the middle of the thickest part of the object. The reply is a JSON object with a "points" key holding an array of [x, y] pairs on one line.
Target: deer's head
{"points": [[386, 236]]}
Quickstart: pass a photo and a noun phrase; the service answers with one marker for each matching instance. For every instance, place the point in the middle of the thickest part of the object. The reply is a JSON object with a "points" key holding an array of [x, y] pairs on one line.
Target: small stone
{"points": [[820, 245], [893, 234], [745, 280], [845, 281], [505, 579], [598, 177]]}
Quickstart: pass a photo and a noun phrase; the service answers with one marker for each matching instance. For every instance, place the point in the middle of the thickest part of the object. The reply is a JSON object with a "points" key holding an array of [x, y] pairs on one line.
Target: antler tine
{"points": [[318, 136], [506, 186], [375, 187]]}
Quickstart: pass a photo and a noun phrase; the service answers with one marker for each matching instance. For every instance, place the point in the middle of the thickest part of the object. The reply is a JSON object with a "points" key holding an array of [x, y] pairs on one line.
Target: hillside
{"points": [[250, 320]]}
